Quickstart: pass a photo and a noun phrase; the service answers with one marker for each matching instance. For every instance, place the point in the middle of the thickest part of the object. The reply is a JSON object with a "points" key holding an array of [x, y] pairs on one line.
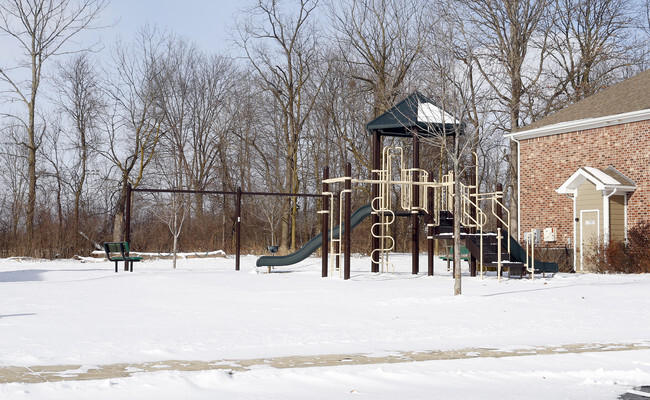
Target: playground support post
{"points": [[127, 216], [473, 212], [415, 216], [348, 222], [499, 265], [430, 242], [376, 165], [325, 222], [238, 229], [499, 212]]}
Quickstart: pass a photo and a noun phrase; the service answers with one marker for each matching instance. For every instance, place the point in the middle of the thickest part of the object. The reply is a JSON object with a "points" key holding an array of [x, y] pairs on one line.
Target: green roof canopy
{"points": [[414, 114]]}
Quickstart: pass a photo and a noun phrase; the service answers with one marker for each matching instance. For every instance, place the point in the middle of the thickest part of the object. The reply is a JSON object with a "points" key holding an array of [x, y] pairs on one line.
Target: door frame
{"points": [[582, 236]]}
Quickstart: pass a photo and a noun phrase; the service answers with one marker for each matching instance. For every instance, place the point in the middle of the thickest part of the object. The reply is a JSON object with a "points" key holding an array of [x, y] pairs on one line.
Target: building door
{"points": [[589, 235]]}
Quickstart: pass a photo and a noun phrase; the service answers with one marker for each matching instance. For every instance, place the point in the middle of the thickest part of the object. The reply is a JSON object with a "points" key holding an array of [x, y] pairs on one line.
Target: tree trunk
{"points": [[118, 222], [513, 162], [31, 165], [285, 229], [513, 206], [175, 249]]}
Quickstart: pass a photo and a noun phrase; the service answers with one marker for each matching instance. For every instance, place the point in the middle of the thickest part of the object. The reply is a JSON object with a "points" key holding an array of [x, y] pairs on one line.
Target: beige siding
{"points": [[617, 217], [588, 198]]}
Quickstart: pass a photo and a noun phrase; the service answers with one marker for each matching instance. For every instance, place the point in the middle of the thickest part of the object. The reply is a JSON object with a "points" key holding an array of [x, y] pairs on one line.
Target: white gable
{"points": [[595, 176]]}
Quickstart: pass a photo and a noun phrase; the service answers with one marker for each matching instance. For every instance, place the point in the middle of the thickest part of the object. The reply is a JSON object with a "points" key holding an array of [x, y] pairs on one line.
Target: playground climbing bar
{"points": [[238, 195]]}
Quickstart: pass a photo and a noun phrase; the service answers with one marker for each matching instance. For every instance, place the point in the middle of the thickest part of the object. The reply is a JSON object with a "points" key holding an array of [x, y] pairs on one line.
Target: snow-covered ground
{"points": [[70, 312]]}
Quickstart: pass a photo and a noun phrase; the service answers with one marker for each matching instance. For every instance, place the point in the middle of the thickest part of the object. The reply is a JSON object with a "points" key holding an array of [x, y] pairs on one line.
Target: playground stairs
{"points": [[490, 253], [445, 229], [472, 241]]}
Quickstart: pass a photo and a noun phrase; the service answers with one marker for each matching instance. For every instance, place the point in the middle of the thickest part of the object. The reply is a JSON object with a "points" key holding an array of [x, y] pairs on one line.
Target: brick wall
{"points": [[547, 162]]}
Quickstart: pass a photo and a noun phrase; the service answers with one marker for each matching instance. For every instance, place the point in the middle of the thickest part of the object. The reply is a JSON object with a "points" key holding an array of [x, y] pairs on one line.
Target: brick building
{"points": [[584, 171]]}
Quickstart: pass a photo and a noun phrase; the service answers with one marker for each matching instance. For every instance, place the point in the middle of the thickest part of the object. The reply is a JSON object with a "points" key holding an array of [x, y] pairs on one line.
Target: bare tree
{"points": [[380, 40], [13, 161], [41, 28], [80, 100], [456, 138], [198, 113], [511, 48], [133, 124], [282, 48], [591, 41]]}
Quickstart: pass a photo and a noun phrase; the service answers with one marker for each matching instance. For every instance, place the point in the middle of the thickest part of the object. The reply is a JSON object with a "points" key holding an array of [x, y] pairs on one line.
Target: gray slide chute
{"points": [[305, 251]]}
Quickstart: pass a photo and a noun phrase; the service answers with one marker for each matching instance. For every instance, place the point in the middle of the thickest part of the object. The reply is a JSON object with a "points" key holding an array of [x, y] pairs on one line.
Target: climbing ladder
{"points": [[382, 206]]}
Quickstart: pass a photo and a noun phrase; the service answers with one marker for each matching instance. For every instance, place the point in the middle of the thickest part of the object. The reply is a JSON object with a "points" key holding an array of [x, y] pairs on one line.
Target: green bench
{"points": [[119, 251], [464, 254]]}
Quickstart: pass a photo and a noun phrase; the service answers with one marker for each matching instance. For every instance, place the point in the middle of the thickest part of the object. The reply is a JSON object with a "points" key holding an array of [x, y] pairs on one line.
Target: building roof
{"points": [[627, 101], [606, 179], [417, 114]]}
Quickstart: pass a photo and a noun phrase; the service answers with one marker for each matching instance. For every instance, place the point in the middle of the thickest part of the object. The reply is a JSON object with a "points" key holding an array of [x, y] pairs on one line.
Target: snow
{"points": [[431, 114], [80, 315], [601, 176]]}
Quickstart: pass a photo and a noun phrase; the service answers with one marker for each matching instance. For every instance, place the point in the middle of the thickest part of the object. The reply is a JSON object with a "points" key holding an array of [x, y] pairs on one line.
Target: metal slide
{"points": [[517, 253], [305, 251]]}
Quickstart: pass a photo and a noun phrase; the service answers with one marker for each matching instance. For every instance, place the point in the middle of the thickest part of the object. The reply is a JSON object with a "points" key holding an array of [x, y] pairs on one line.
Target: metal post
{"points": [[238, 229], [374, 219], [127, 216], [499, 254], [127, 234], [415, 216], [348, 227], [499, 212], [430, 219], [532, 254], [474, 213], [339, 243], [325, 222]]}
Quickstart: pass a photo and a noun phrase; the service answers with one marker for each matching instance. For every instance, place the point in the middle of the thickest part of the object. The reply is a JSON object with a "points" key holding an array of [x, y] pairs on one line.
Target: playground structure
{"points": [[420, 196]]}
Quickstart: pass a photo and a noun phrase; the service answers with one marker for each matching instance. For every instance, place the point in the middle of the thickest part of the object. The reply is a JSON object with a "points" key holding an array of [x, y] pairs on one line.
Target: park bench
{"points": [[121, 248], [449, 256]]}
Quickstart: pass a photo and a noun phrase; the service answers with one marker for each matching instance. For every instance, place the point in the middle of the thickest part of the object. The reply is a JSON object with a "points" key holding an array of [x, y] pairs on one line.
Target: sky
{"points": [[204, 22]]}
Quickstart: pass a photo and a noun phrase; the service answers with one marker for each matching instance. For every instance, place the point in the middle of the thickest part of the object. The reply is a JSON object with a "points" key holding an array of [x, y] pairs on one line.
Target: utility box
{"points": [[550, 234], [535, 235]]}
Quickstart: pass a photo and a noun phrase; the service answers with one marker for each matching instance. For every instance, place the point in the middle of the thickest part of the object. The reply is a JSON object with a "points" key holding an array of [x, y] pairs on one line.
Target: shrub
{"points": [[632, 257]]}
